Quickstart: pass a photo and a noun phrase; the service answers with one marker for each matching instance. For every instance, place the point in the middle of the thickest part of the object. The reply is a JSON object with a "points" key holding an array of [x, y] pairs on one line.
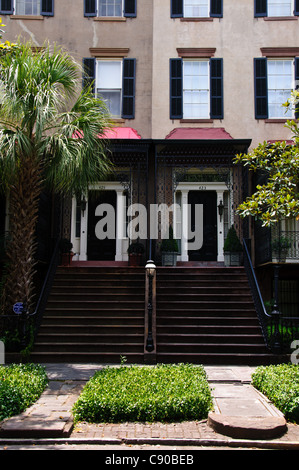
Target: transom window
{"points": [[280, 7], [109, 84], [196, 101], [196, 8], [27, 7], [110, 8], [280, 85]]}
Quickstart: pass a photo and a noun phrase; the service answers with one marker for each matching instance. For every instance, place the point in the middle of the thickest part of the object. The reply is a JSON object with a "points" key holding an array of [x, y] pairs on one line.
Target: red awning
{"points": [[199, 133], [122, 133]]}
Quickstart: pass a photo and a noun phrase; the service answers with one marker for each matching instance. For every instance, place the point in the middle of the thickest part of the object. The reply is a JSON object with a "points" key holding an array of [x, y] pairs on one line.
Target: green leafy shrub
{"points": [[280, 383], [20, 386], [165, 393]]}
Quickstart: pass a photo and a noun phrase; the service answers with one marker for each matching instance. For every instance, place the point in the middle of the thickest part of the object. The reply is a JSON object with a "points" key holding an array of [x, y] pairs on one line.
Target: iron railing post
{"points": [[150, 313]]}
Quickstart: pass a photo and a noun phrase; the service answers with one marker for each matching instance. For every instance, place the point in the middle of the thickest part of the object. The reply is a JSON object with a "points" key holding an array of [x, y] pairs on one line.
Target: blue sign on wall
{"points": [[18, 308]]}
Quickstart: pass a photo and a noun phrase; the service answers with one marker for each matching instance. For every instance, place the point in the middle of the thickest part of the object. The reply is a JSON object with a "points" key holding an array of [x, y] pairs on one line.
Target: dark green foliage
{"points": [[165, 393], [232, 242]]}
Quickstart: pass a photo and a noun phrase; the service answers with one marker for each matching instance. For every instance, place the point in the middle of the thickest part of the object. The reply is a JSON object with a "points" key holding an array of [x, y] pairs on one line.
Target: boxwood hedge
{"points": [[20, 386], [165, 393], [280, 383]]}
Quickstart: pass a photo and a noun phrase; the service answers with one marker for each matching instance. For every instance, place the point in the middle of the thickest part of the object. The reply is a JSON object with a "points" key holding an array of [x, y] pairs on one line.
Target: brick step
{"points": [[78, 338], [177, 296], [86, 357], [95, 347], [85, 329], [214, 358], [94, 312], [191, 322], [199, 340], [198, 289], [230, 347], [204, 305], [100, 289], [108, 304], [99, 297], [235, 329], [91, 322]]}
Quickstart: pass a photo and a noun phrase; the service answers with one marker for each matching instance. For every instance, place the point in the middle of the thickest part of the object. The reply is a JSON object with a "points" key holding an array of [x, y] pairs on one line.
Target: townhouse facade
{"points": [[189, 83]]}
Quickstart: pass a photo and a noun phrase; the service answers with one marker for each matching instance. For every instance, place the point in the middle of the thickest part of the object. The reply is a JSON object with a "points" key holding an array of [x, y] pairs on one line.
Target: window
{"points": [[274, 81], [108, 84], [196, 88], [27, 7], [114, 81], [196, 8], [110, 8], [280, 85], [276, 8]]}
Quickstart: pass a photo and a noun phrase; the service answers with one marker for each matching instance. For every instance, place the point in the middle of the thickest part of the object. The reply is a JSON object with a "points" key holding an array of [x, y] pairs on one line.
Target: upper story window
{"points": [[274, 81], [110, 8], [27, 7], [196, 88], [276, 8], [113, 79], [196, 8]]}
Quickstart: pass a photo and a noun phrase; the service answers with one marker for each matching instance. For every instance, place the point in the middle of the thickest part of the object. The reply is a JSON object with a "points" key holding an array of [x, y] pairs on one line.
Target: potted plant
{"points": [[66, 252], [233, 249], [280, 248], [135, 252], [169, 249]]}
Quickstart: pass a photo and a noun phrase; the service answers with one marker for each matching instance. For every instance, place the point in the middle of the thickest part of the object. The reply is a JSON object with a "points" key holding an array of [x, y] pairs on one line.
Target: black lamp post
{"points": [[220, 209]]}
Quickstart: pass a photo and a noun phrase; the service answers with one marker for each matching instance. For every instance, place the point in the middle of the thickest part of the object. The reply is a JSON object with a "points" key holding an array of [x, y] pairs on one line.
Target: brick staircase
{"points": [[93, 315], [207, 316], [204, 315]]}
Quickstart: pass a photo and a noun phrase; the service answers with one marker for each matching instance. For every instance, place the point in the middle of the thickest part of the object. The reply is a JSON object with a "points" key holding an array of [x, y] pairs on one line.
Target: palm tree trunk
{"points": [[23, 214]]}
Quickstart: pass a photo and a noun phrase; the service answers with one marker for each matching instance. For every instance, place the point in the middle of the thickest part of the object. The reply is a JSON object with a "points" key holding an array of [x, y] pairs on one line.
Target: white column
{"points": [[185, 221], [120, 214], [220, 227]]}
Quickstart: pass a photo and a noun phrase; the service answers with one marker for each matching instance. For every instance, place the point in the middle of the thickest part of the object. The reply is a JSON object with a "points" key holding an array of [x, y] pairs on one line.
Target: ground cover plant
{"points": [[165, 393], [20, 386], [280, 383]]}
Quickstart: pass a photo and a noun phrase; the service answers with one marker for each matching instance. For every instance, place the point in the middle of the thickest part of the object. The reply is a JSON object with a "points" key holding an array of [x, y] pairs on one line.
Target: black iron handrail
{"points": [[263, 316], [48, 281]]}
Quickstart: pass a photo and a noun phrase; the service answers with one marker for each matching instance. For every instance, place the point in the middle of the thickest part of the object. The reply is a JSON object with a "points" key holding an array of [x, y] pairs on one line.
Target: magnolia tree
{"points": [[278, 197]]}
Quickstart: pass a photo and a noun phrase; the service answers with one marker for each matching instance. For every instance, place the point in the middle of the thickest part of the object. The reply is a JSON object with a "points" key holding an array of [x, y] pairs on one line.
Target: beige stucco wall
{"points": [[237, 37], [153, 37]]}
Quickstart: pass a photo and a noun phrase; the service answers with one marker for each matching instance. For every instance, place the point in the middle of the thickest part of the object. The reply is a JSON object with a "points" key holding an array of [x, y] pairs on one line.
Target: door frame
{"points": [[184, 188], [80, 243]]}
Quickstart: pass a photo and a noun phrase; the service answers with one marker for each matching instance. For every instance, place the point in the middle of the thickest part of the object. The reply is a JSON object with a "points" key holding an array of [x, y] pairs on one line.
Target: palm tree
{"points": [[49, 136]]}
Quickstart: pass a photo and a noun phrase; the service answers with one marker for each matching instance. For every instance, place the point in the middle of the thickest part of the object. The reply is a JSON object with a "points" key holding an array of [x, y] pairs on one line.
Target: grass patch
{"points": [[165, 393], [280, 383], [20, 386]]}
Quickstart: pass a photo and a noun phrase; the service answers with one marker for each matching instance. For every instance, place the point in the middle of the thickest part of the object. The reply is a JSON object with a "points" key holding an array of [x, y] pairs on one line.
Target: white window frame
{"points": [[281, 114], [275, 7], [196, 4], [186, 103], [99, 13], [111, 89], [20, 7]]}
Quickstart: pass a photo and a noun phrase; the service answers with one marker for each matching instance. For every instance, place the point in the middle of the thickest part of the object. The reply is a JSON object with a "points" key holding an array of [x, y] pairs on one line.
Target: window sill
{"points": [[186, 120], [190, 19], [277, 120], [27, 17], [280, 18], [110, 18]]}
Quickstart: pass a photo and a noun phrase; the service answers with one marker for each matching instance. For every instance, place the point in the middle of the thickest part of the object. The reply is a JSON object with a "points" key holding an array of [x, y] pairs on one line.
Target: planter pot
{"points": [[169, 258], [66, 258], [135, 259], [232, 258]]}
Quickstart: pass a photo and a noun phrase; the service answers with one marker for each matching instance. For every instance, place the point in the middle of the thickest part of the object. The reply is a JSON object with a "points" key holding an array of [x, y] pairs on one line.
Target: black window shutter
{"points": [[216, 8], [176, 88], [297, 84], [261, 88], [90, 8], [89, 65], [260, 8], [176, 8], [47, 7], [216, 88], [130, 8], [128, 91], [296, 8], [6, 7]]}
